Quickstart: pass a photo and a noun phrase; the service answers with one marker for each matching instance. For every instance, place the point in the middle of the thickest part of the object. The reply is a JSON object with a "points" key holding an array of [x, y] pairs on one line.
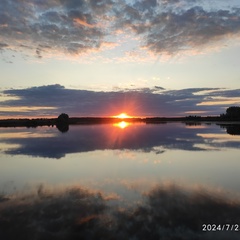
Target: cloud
{"points": [[77, 27], [173, 26], [3, 45], [53, 26], [54, 99]]}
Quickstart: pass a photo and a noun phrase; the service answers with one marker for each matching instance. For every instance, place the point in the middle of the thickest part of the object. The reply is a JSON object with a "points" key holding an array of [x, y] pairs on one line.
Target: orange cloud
{"points": [[79, 21], [25, 108]]}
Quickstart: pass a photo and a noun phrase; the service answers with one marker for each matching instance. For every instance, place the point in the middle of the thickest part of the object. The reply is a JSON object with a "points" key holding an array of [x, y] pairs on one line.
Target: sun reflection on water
{"points": [[121, 124]]}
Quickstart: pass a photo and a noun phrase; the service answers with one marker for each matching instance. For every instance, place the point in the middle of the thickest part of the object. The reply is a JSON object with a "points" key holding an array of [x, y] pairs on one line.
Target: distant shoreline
{"points": [[35, 122]]}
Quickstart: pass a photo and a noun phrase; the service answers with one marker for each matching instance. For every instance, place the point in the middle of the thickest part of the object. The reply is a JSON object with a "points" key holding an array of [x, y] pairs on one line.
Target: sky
{"points": [[104, 57]]}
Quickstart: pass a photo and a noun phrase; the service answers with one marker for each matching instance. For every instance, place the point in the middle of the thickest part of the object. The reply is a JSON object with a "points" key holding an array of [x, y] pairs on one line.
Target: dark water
{"points": [[147, 181]]}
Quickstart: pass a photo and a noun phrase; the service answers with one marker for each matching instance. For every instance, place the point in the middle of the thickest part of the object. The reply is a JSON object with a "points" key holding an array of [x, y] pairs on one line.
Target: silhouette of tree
{"points": [[63, 118], [62, 122], [233, 112]]}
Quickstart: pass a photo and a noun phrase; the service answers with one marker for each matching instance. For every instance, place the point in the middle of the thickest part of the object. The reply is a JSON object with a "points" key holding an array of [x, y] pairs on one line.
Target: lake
{"points": [[129, 166]]}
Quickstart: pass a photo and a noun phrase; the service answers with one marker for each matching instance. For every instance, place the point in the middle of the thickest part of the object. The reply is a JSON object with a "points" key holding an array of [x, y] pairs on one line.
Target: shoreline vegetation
{"points": [[231, 116], [36, 122]]}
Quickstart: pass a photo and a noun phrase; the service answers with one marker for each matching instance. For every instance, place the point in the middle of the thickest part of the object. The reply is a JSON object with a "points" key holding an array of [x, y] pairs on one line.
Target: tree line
{"points": [[232, 113]]}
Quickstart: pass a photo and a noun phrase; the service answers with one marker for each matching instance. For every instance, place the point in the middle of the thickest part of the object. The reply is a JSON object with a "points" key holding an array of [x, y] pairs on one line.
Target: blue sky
{"points": [[143, 57]]}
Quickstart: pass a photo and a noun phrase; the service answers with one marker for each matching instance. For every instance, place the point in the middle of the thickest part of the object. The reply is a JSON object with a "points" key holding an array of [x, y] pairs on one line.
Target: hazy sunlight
{"points": [[122, 116]]}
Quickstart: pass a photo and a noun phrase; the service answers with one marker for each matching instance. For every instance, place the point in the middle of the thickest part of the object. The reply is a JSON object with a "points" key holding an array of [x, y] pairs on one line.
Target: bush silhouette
{"points": [[62, 122], [233, 111], [63, 118]]}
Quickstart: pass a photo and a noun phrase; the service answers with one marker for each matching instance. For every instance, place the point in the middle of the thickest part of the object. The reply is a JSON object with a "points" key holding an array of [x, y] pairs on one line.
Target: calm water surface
{"points": [[137, 181], [118, 159]]}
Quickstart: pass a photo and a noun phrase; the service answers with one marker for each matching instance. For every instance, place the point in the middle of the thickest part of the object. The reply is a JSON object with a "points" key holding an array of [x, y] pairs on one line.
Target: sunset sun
{"points": [[122, 116]]}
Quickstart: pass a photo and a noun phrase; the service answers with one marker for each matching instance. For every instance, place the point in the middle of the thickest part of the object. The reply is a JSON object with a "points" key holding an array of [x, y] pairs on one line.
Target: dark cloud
{"points": [[75, 27], [172, 26], [226, 93], [3, 45], [64, 26], [38, 52], [143, 102]]}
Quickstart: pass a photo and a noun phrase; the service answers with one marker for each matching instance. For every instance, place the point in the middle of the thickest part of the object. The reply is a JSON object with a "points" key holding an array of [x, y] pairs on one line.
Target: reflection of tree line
{"points": [[62, 122], [233, 114], [232, 129], [146, 138], [169, 212]]}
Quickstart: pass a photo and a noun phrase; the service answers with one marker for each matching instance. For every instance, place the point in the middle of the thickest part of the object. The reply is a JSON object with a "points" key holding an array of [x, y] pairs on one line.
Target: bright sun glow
{"points": [[122, 116], [121, 124]]}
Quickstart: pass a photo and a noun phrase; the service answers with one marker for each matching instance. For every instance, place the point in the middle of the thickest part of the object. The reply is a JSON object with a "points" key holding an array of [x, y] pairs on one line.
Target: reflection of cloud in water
{"points": [[168, 212], [62, 215], [147, 138], [219, 140]]}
